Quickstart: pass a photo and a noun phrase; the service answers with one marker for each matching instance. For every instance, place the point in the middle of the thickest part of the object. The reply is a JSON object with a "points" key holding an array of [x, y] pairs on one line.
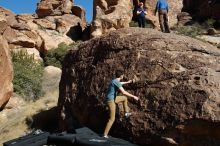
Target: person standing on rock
{"points": [[163, 8], [141, 12], [112, 98]]}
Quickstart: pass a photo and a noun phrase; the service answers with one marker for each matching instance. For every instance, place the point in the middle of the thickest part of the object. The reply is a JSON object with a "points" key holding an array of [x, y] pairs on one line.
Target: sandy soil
{"points": [[13, 122]]}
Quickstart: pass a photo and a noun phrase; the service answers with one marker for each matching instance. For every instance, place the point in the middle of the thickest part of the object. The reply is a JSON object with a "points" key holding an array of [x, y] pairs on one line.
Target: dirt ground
{"points": [[18, 121]]}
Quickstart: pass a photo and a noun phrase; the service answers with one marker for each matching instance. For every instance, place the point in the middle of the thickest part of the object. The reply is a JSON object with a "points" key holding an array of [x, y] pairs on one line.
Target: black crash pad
{"points": [[36, 138], [87, 137], [83, 137], [61, 139]]}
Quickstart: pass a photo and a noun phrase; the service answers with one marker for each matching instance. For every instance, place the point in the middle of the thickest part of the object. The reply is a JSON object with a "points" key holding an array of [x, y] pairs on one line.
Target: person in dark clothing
{"points": [[141, 12], [163, 8]]}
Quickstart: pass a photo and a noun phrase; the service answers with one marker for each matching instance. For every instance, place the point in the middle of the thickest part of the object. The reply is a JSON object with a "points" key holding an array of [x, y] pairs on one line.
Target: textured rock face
{"points": [[177, 80], [6, 18], [54, 7], [6, 87], [110, 15], [80, 12], [184, 18], [202, 8], [51, 79]]}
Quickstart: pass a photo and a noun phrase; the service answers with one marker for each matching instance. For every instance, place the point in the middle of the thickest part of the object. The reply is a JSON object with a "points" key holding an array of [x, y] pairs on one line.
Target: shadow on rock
{"points": [[44, 120], [75, 32]]}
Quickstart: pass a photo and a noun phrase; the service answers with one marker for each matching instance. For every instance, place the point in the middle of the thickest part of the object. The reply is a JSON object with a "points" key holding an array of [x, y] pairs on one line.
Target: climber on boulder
{"points": [[112, 98]]}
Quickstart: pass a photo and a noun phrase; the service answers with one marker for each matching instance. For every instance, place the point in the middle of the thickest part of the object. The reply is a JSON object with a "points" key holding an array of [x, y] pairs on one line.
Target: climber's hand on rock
{"points": [[130, 81], [133, 81], [136, 98]]}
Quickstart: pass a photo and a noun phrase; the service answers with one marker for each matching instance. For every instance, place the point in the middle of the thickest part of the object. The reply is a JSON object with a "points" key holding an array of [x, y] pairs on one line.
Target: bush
{"points": [[27, 75], [55, 57], [148, 24], [209, 23], [191, 31], [133, 24]]}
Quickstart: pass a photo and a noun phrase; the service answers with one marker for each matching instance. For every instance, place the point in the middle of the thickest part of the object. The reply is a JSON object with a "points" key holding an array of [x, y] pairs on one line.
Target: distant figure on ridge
{"points": [[141, 12], [112, 98], [163, 8]]}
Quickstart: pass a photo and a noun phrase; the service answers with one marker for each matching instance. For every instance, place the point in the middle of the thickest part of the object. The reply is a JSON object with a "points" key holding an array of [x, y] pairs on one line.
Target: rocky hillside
{"points": [[177, 80], [115, 14], [53, 23], [174, 9]]}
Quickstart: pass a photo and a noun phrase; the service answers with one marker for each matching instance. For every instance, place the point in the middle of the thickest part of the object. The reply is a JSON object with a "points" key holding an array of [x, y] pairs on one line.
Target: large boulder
{"points": [[3, 23], [6, 69], [79, 12], [22, 38], [177, 80], [110, 15], [6, 12], [45, 23], [51, 79], [184, 18], [65, 23], [6, 17], [28, 19], [202, 8], [51, 39], [54, 7]]}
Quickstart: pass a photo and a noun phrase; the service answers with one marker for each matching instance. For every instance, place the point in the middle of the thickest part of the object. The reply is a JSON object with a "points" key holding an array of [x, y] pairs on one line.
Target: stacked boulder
{"points": [[110, 15], [54, 7]]}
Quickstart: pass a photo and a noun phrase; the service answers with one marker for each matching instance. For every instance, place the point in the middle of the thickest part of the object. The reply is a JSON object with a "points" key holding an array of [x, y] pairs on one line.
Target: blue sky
{"points": [[29, 6]]}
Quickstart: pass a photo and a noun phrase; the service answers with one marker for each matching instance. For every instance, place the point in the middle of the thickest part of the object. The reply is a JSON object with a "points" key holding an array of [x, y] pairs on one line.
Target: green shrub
{"points": [[27, 75], [192, 31], [209, 23], [55, 57], [133, 24], [148, 24]]}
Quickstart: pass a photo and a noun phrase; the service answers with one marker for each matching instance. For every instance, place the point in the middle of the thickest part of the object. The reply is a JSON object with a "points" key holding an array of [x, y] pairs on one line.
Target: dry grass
{"points": [[13, 121]]}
